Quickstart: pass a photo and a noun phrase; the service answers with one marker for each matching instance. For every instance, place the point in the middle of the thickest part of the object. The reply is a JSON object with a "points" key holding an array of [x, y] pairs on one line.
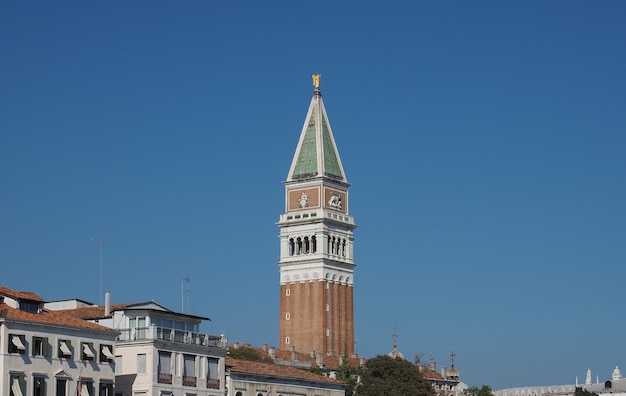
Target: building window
{"points": [[87, 352], [87, 388], [238, 394], [287, 340], [31, 307], [138, 325], [288, 292], [213, 375], [327, 307], [189, 370], [17, 343], [165, 368], [39, 386], [106, 389], [327, 333], [141, 363], [287, 316], [106, 353], [61, 387], [65, 349], [40, 346], [18, 385]]}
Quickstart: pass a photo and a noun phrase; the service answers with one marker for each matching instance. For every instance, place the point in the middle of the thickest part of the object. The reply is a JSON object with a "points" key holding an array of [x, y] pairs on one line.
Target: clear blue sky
{"points": [[485, 143]]}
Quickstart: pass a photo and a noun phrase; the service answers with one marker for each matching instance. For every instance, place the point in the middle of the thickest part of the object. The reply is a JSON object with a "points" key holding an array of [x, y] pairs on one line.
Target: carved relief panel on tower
{"points": [[303, 198], [335, 199]]}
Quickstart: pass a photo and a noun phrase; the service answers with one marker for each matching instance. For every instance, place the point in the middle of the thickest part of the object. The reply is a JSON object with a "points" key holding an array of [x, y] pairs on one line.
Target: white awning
{"points": [[65, 350], [84, 391], [87, 350], [15, 387], [18, 343], [106, 351]]}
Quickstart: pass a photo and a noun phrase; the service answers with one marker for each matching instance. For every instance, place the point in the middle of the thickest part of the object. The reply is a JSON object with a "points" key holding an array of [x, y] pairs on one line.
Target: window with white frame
{"points": [[189, 370], [212, 374], [165, 367], [138, 326], [141, 363]]}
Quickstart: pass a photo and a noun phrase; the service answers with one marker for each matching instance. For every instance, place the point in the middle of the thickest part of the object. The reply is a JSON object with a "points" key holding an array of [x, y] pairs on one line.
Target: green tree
{"points": [[347, 374], [386, 376], [584, 392], [485, 390], [247, 353]]}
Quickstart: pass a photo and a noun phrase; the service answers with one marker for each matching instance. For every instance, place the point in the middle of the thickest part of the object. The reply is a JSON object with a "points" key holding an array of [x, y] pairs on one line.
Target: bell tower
{"points": [[316, 243]]}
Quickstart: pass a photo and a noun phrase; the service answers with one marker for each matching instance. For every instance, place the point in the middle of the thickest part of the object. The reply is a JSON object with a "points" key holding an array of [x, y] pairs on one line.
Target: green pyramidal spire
{"points": [[317, 154]]}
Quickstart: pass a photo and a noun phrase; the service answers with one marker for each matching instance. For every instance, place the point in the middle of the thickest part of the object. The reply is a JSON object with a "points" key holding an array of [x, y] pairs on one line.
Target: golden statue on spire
{"points": [[316, 80]]}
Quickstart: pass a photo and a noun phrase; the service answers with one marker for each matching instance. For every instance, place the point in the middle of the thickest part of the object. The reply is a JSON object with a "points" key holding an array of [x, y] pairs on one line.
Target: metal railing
{"points": [[189, 381], [164, 378], [213, 383]]}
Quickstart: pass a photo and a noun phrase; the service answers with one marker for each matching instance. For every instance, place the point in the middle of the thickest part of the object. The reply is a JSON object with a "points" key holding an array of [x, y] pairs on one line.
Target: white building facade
{"points": [[46, 353], [160, 352]]}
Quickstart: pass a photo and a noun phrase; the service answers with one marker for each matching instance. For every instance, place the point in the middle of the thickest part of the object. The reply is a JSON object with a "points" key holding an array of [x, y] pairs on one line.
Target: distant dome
{"points": [[396, 353], [617, 375], [453, 373]]}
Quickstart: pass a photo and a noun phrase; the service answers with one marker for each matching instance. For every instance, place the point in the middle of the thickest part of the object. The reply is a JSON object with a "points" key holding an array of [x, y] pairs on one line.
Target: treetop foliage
{"points": [[386, 376], [247, 353]]}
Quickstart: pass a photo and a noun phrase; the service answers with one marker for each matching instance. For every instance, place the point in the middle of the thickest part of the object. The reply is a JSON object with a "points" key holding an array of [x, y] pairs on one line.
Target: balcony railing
{"points": [[213, 383], [167, 334], [164, 378], [189, 381]]}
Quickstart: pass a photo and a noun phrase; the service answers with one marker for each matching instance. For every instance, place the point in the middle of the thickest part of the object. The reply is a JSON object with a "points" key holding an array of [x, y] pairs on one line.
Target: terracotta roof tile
{"points": [[329, 362], [18, 295], [91, 313], [430, 374], [49, 317], [274, 370]]}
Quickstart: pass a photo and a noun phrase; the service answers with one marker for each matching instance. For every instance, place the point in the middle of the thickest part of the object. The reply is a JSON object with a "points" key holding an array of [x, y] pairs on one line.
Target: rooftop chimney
{"points": [[107, 303], [319, 360], [293, 352]]}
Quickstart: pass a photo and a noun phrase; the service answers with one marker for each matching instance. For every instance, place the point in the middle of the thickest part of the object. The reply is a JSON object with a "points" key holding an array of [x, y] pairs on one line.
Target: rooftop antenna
{"points": [[99, 241], [394, 335], [182, 293], [452, 355]]}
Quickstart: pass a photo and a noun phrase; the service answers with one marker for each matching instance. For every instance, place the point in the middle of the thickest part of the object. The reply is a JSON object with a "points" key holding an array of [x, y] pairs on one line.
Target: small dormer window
{"points": [[29, 306]]}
